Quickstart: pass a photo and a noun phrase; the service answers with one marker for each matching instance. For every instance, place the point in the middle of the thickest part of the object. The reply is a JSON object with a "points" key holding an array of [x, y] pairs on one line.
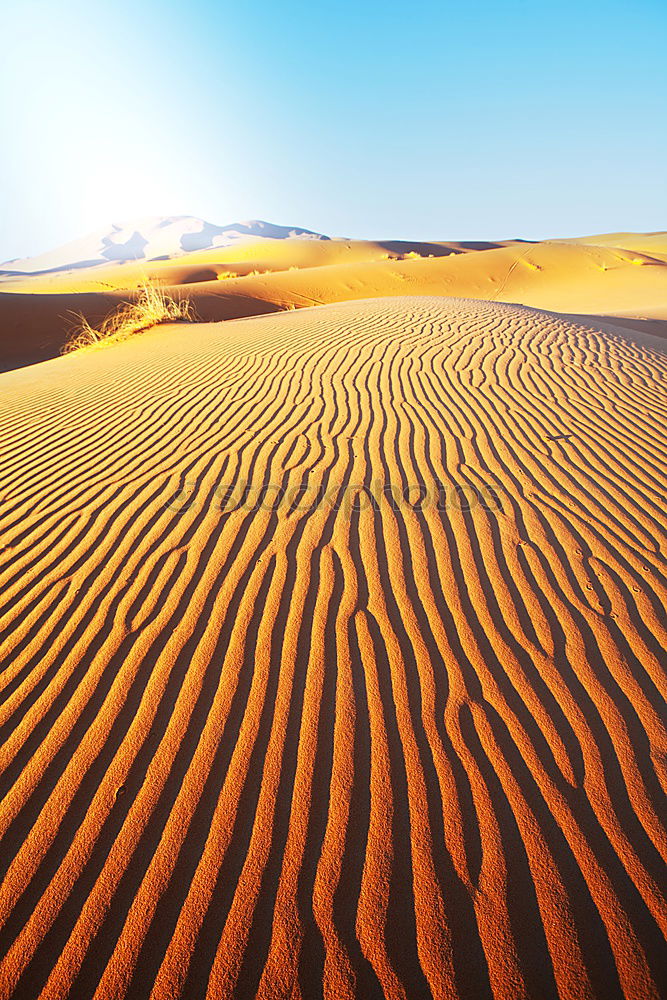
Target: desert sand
{"points": [[247, 276], [333, 639]]}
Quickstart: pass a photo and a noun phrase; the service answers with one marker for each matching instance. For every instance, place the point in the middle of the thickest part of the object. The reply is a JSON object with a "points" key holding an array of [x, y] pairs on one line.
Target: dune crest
{"points": [[250, 276], [395, 731], [151, 238]]}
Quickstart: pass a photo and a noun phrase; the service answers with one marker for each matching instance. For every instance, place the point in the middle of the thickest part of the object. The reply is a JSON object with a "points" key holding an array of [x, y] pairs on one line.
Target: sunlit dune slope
{"points": [[207, 264], [151, 238], [564, 277], [238, 259], [380, 744], [650, 243], [557, 276]]}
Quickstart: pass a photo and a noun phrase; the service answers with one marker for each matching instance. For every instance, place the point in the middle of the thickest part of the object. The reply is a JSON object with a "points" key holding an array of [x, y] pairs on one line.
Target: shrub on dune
{"points": [[152, 307]]}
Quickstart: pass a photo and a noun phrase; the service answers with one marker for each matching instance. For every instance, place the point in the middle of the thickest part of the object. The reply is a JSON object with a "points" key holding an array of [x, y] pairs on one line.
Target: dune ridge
{"points": [[150, 238], [268, 275], [363, 749]]}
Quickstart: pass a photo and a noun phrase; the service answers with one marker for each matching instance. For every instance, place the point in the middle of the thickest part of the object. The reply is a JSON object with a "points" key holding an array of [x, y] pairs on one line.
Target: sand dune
{"points": [[268, 275], [237, 258], [150, 238], [644, 242], [556, 276], [351, 747], [141, 248]]}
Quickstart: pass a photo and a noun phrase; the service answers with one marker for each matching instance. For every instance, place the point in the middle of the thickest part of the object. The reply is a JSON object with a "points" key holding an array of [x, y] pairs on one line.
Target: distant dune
{"points": [[645, 242], [332, 625], [248, 275], [150, 239]]}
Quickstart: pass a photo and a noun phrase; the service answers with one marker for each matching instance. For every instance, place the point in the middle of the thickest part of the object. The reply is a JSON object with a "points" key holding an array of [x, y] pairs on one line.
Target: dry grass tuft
{"points": [[152, 307], [223, 275]]}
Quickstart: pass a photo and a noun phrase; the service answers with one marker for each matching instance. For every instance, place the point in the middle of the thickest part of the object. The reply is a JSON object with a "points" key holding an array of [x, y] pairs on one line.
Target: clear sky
{"points": [[481, 119]]}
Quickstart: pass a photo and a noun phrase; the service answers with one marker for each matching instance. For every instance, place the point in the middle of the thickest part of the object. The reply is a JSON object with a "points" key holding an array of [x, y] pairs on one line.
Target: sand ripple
{"points": [[357, 748]]}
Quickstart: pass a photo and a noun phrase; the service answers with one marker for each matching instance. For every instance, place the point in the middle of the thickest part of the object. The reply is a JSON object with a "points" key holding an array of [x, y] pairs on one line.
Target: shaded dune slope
{"points": [[349, 749]]}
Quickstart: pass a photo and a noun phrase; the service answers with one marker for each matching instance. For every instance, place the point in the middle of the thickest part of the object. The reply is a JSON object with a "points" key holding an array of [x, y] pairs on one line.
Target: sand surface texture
{"points": [[357, 745]]}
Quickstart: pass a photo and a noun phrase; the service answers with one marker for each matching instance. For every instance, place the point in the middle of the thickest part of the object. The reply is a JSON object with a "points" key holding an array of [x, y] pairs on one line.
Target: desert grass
{"points": [[225, 275], [152, 307]]}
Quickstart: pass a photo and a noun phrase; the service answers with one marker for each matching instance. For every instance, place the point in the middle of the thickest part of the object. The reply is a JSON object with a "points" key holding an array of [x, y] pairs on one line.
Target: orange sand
{"points": [[269, 275], [351, 749]]}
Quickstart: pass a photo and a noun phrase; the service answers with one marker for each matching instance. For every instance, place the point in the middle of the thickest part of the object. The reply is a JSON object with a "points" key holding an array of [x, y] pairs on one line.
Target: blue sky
{"points": [[407, 120]]}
